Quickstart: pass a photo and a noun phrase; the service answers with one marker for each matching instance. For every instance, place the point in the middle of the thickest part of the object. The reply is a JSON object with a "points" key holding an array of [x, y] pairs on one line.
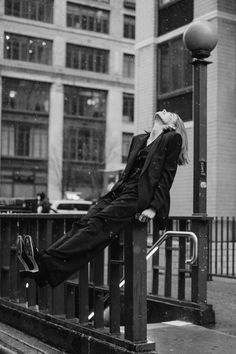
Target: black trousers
{"points": [[88, 236]]}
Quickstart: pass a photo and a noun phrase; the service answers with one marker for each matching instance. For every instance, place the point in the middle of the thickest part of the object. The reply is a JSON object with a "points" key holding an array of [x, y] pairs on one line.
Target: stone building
{"points": [[67, 94], [163, 80]]}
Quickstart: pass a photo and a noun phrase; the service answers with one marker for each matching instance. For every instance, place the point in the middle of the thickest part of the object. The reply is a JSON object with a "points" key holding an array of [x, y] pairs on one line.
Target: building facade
{"points": [[164, 80], [67, 95]]}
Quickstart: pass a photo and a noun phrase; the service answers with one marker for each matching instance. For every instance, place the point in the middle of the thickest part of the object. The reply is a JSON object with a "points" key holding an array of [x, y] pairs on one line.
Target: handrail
{"points": [[167, 234], [185, 234], [156, 246]]}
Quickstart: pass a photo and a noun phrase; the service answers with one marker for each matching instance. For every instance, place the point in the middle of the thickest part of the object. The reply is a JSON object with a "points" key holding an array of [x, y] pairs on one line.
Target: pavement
{"points": [[221, 293], [180, 337], [175, 337]]}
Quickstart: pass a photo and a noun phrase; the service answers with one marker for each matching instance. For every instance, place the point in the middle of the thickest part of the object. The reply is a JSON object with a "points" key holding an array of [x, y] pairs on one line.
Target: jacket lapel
{"points": [[139, 142], [151, 152]]}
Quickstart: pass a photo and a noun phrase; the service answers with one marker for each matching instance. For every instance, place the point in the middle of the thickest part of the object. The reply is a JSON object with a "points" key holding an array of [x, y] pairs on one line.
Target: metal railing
{"points": [[73, 301], [222, 247]]}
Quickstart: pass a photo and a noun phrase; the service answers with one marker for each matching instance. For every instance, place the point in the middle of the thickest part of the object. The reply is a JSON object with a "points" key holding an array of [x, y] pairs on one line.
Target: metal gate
{"points": [[222, 248]]}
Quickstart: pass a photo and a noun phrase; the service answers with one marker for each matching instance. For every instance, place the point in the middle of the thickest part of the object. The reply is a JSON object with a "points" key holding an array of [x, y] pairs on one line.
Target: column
{"points": [[55, 143]]}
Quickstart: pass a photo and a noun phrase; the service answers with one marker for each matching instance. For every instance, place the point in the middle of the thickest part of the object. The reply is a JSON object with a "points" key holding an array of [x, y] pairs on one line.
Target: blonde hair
{"points": [[179, 127]]}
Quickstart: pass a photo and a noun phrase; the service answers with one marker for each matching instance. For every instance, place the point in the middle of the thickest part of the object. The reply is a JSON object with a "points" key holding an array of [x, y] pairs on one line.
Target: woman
{"points": [[141, 192]]}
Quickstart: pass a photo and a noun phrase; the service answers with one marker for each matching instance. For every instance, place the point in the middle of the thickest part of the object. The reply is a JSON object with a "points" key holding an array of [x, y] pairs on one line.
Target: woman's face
{"points": [[165, 118]]}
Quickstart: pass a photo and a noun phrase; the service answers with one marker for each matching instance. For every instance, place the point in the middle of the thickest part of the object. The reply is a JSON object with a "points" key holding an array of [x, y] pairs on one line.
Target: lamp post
{"points": [[200, 38]]}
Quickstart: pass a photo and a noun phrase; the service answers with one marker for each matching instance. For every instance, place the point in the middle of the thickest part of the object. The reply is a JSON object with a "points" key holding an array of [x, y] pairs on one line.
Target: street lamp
{"points": [[200, 38]]}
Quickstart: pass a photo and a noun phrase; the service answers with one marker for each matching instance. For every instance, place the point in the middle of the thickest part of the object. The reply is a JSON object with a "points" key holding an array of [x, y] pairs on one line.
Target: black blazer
{"points": [[158, 172]]}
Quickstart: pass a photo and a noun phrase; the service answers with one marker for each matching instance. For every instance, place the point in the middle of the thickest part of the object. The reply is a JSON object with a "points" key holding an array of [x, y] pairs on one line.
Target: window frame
{"points": [[88, 18], [128, 66], [170, 69], [85, 56], [37, 5], [173, 94], [129, 26], [128, 107], [25, 46], [21, 118]]}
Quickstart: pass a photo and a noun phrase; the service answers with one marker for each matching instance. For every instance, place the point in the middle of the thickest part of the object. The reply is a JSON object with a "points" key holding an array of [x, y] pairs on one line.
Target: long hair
{"points": [[180, 128]]}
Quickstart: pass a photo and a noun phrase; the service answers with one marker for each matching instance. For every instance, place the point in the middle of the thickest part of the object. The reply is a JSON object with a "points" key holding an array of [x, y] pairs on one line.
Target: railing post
{"points": [[135, 307], [114, 280], [135, 282], [200, 270], [135, 297]]}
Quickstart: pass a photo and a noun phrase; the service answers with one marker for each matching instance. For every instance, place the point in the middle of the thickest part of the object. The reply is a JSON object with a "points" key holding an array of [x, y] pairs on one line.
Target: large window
{"points": [[25, 95], [38, 10], [85, 103], [173, 14], [129, 27], [128, 66], [83, 144], [24, 118], [175, 78], [24, 140], [128, 107], [87, 58], [30, 49], [126, 141], [87, 18]]}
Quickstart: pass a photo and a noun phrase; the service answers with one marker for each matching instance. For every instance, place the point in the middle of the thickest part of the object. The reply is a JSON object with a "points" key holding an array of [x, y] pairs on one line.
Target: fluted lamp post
{"points": [[200, 38]]}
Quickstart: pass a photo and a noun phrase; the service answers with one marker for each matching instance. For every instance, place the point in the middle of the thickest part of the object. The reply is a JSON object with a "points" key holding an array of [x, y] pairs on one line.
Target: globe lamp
{"points": [[200, 38]]}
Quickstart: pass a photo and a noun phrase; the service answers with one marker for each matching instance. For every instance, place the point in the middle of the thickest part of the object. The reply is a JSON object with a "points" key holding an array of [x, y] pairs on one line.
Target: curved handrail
{"points": [[156, 246], [185, 234]]}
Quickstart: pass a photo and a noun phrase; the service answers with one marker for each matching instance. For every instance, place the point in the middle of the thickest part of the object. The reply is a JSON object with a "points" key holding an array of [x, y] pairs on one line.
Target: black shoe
{"points": [[25, 253]]}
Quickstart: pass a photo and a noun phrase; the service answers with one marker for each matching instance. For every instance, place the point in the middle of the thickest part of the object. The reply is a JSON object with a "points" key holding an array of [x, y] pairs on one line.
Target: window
{"points": [[29, 49], [128, 66], [84, 143], [128, 107], [175, 68], [38, 10], [175, 78], [24, 140], [86, 58], [129, 27], [177, 14], [85, 103], [87, 18], [104, 1], [126, 141], [25, 95], [24, 118], [129, 4]]}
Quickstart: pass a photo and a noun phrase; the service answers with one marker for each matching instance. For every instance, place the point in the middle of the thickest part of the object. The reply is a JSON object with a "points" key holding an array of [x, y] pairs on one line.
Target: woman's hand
{"points": [[146, 215]]}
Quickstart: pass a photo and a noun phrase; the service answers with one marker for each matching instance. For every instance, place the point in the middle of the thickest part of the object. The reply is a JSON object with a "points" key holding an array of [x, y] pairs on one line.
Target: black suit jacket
{"points": [[158, 172]]}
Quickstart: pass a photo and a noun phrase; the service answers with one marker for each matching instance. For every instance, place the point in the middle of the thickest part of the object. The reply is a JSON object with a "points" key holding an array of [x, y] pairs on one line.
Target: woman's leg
{"points": [[83, 221], [62, 261]]}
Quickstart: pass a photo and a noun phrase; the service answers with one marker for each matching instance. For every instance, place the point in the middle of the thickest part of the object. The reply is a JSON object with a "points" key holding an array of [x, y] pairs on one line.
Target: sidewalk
{"points": [[221, 294], [179, 337]]}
